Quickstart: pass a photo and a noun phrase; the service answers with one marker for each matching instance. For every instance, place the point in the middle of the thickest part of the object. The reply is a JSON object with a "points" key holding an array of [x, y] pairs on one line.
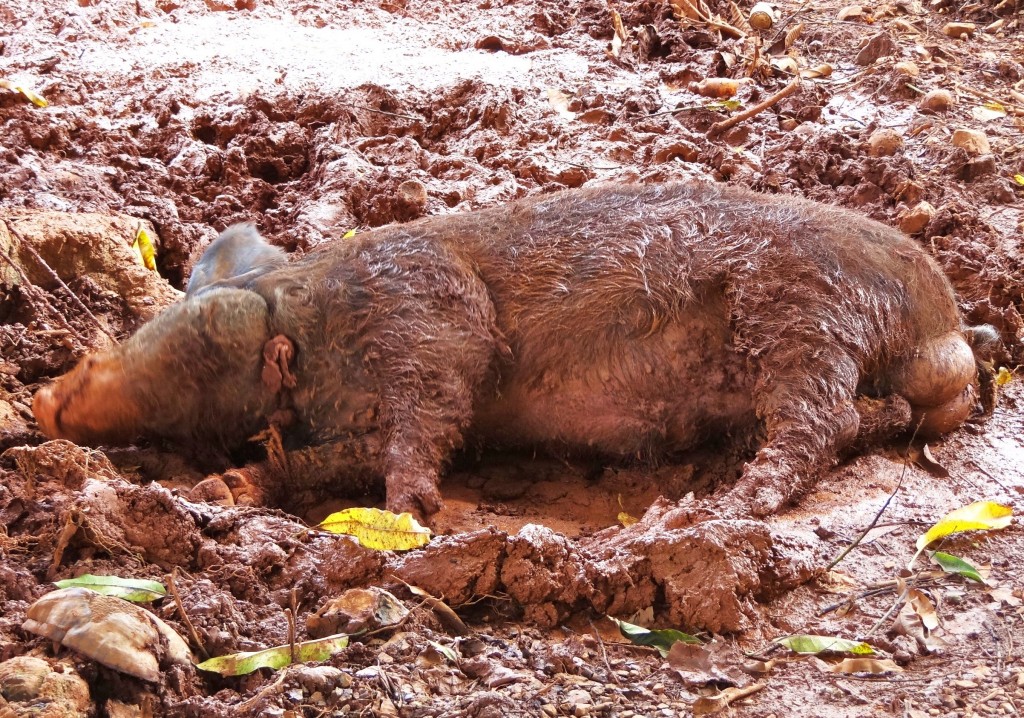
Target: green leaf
{"points": [[240, 664], [376, 529], [662, 639], [811, 644], [952, 564], [136, 590]]}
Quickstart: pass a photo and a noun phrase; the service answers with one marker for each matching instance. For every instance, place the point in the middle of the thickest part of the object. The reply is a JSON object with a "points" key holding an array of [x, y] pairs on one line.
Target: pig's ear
{"points": [[238, 256]]}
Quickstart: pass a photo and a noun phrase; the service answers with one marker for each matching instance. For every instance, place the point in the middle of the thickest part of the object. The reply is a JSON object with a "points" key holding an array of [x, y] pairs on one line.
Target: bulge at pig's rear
{"points": [[191, 375]]}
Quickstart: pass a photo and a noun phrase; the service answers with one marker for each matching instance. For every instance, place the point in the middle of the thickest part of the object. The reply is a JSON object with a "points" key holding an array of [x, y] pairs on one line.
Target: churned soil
{"points": [[181, 117]]}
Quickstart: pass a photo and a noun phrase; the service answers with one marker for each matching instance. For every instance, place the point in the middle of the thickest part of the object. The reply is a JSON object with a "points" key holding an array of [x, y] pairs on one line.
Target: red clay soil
{"points": [[185, 116]]}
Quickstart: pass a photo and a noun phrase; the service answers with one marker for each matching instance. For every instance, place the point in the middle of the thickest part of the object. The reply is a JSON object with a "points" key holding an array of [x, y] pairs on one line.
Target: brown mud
{"points": [[185, 116]]}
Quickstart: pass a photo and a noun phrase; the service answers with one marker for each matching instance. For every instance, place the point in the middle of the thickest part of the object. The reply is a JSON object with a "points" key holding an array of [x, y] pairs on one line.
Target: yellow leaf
{"points": [[1004, 376], [1019, 179], [244, 663], [376, 529], [145, 250], [349, 234], [981, 515], [27, 92], [624, 518]]}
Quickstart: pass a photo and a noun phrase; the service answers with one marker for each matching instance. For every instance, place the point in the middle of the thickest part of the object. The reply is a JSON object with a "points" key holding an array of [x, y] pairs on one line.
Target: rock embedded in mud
{"points": [[109, 630], [355, 611], [937, 101], [916, 218], [884, 143], [960, 30], [974, 142], [31, 686], [977, 167], [907, 68]]}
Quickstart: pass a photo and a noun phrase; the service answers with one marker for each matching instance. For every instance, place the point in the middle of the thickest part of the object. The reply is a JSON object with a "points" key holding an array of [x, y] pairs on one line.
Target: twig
{"points": [[604, 653], [291, 612], [55, 277], [245, 705], [874, 521], [382, 112], [720, 127], [184, 616], [29, 287]]}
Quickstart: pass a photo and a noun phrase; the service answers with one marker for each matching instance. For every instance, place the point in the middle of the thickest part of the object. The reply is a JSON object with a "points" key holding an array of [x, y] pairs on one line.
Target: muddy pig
{"points": [[621, 320]]}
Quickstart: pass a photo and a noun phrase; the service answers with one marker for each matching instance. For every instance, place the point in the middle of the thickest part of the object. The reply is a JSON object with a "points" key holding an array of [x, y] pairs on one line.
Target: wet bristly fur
{"points": [[621, 320]]}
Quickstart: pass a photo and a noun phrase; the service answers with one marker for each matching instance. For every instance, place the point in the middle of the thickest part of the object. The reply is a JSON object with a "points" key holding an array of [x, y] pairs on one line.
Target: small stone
{"points": [[413, 191], [549, 710], [978, 167], [908, 68], [884, 143], [959, 29], [581, 710], [936, 101], [917, 218], [877, 46], [973, 141]]}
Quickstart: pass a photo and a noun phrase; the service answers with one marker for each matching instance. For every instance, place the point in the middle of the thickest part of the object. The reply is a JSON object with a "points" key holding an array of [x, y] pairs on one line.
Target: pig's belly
{"points": [[627, 396]]}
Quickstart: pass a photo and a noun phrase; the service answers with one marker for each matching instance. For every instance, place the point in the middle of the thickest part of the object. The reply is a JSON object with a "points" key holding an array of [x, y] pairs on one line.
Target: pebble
{"points": [[978, 167], [915, 219], [973, 141], [959, 29], [908, 68], [936, 101], [549, 710], [884, 143]]}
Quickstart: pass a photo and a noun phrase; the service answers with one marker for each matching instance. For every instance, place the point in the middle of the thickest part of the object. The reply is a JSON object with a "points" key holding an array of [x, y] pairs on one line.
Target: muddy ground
{"points": [[185, 116]]}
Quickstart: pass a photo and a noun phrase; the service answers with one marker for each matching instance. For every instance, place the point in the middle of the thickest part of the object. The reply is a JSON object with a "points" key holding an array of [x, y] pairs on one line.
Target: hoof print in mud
{"points": [[707, 310]]}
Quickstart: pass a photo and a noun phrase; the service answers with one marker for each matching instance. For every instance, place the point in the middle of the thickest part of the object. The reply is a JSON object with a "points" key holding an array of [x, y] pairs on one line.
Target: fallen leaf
{"points": [[989, 111], [349, 234], [707, 705], [952, 564], [377, 529], [928, 462], [245, 662], [812, 645], [25, 92], [1004, 376], [981, 515], [130, 589], [662, 639], [446, 651], [922, 605], [866, 665], [560, 102], [619, 37], [851, 12], [813, 73], [445, 613], [144, 249]]}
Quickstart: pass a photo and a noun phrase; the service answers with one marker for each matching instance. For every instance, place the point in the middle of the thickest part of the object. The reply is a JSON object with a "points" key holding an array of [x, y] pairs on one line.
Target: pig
{"points": [[623, 321]]}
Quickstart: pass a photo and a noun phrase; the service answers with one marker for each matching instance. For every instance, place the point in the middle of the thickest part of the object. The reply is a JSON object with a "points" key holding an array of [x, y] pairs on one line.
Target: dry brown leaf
{"points": [[866, 665], [851, 12], [619, 38]]}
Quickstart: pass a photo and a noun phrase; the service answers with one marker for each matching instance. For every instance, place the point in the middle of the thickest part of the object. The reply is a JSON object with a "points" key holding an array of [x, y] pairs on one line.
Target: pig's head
{"points": [[193, 374]]}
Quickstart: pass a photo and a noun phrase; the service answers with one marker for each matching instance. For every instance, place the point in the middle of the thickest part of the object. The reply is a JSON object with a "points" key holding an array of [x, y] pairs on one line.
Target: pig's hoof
{"points": [[232, 488]]}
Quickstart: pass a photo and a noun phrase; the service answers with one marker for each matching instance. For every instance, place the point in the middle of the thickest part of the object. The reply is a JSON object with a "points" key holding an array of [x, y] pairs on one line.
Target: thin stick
{"points": [[720, 127], [55, 277], [29, 287], [184, 616], [604, 653], [382, 112]]}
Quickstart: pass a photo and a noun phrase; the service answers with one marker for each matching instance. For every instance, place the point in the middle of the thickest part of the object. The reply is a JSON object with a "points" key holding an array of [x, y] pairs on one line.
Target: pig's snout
{"points": [[46, 408], [87, 406]]}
